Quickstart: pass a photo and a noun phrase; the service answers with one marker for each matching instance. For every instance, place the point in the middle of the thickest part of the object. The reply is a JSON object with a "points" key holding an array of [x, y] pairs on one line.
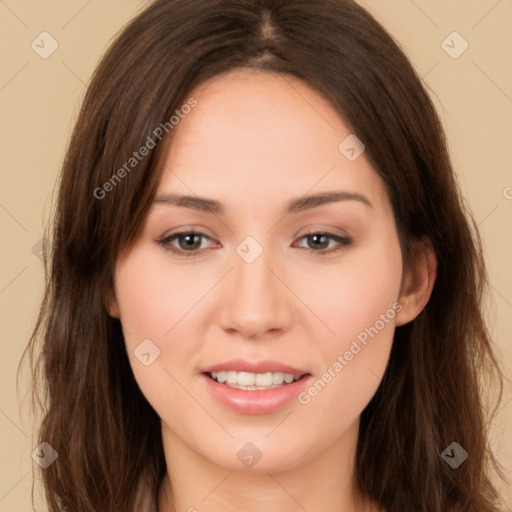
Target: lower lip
{"points": [[255, 401]]}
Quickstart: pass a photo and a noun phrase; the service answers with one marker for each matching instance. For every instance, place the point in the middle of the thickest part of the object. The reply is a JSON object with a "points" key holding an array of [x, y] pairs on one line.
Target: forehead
{"points": [[256, 134]]}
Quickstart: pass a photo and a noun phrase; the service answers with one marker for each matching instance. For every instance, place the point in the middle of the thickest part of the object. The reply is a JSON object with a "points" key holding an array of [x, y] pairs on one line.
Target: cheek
{"points": [[358, 302], [352, 295], [152, 298], [154, 305]]}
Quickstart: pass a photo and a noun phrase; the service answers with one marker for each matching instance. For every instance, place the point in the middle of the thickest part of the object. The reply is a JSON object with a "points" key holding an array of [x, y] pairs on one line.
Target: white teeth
{"points": [[263, 379], [231, 378], [249, 381], [277, 378], [246, 379]]}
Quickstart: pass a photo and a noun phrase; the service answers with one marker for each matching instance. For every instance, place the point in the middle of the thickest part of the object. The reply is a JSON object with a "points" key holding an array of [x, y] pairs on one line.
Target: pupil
{"points": [[190, 243], [318, 242]]}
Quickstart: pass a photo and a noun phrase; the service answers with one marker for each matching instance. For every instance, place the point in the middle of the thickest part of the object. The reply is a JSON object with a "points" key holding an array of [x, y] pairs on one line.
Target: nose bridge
{"points": [[252, 276], [255, 301]]}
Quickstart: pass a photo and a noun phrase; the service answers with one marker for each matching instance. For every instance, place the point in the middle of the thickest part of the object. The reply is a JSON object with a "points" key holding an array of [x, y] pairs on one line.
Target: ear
{"points": [[417, 281], [112, 305]]}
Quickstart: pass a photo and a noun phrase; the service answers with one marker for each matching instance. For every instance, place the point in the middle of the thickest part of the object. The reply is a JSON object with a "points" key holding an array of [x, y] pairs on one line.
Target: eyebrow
{"points": [[294, 206]]}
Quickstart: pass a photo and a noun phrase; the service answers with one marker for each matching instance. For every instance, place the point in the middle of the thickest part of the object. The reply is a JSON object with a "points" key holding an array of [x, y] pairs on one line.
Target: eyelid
{"points": [[197, 230], [328, 229]]}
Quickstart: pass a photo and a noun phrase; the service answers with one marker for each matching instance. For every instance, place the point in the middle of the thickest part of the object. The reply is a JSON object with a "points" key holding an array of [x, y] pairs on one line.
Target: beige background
{"points": [[39, 99]]}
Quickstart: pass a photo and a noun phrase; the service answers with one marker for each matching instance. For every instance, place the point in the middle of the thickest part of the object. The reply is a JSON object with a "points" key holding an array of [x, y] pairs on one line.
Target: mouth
{"points": [[249, 386], [254, 381], [254, 388]]}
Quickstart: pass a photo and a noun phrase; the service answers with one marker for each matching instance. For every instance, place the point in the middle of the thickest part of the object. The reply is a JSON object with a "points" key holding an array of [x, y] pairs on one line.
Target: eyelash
{"points": [[166, 243]]}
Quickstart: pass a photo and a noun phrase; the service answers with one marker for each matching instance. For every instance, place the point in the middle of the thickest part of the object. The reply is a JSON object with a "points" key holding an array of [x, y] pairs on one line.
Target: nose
{"points": [[255, 301]]}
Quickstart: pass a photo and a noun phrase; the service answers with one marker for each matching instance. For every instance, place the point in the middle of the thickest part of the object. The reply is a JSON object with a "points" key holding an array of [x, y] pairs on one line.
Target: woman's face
{"points": [[294, 267]]}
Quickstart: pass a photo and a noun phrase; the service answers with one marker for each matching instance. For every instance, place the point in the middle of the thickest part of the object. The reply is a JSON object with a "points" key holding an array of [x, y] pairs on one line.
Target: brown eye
{"points": [[185, 243], [320, 243], [189, 241]]}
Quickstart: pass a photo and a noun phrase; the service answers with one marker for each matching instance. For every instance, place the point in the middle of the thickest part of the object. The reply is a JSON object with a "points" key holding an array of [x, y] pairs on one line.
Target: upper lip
{"points": [[242, 365]]}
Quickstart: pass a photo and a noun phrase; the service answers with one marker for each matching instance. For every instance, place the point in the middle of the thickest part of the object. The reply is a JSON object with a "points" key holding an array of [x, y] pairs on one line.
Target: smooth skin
{"points": [[255, 141]]}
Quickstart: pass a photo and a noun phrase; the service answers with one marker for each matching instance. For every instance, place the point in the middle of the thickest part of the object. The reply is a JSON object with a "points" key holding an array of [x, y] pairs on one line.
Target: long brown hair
{"points": [[106, 434]]}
